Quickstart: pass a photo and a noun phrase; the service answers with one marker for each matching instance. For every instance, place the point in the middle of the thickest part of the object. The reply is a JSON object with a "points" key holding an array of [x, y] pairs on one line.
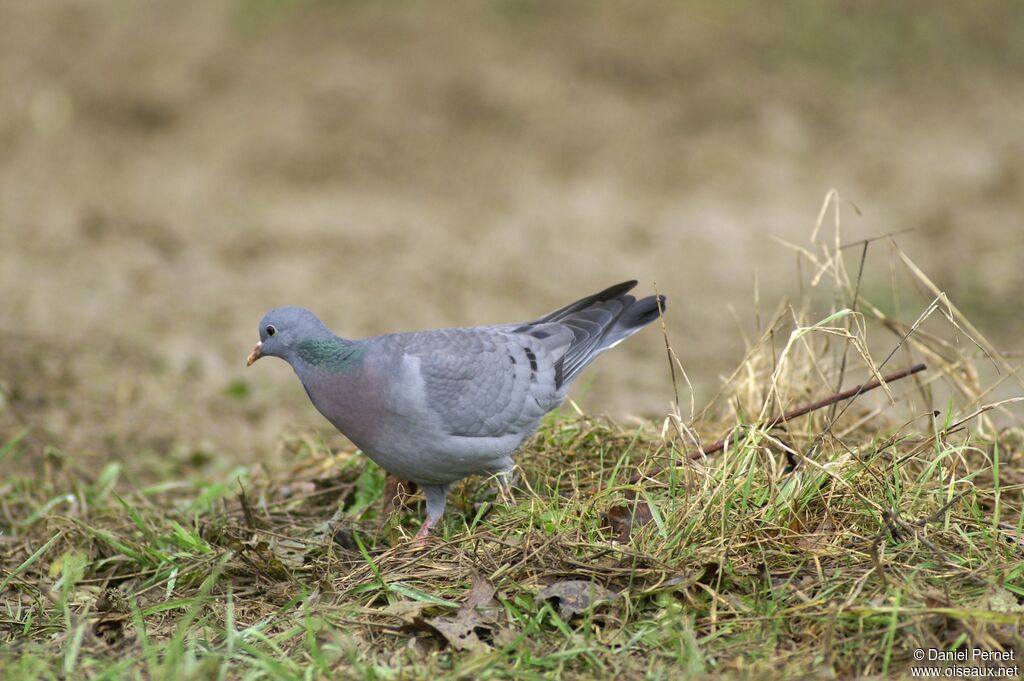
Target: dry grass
{"points": [[834, 545]]}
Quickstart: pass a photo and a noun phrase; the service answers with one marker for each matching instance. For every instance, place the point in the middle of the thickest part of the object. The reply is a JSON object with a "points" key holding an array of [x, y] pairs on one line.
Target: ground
{"points": [[847, 541]]}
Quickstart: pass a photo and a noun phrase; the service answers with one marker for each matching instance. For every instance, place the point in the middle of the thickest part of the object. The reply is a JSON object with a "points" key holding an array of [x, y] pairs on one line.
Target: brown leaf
{"points": [[624, 517], [463, 631], [407, 611], [460, 631], [481, 594], [576, 596], [291, 552]]}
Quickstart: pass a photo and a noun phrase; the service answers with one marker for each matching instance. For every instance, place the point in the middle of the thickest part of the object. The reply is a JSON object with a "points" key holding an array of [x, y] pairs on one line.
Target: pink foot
{"points": [[421, 535]]}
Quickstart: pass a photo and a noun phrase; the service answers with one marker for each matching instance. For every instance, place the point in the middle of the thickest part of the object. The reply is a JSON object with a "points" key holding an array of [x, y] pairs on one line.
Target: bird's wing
{"points": [[485, 381]]}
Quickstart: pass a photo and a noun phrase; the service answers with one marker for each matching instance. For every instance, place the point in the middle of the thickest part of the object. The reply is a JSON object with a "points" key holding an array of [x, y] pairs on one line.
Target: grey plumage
{"points": [[436, 406]]}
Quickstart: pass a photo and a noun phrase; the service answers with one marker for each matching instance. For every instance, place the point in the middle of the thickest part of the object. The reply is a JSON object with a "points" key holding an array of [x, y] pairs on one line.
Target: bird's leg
{"points": [[505, 480], [421, 534], [437, 496]]}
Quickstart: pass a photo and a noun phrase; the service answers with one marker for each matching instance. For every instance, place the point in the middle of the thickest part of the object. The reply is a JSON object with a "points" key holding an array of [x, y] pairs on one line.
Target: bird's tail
{"points": [[599, 322], [636, 315]]}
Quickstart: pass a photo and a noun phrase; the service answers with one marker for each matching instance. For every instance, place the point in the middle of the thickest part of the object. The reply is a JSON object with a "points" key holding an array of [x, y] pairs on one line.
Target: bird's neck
{"points": [[331, 355]]}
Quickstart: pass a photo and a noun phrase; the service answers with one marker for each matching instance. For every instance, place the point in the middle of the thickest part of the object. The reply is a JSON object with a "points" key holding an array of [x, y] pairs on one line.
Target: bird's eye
{"points": [[271, 330]]}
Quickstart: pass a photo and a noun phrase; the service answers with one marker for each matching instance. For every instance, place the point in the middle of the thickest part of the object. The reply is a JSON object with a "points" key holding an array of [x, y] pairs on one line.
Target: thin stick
{"points": [[855, 391], [814, 406]]}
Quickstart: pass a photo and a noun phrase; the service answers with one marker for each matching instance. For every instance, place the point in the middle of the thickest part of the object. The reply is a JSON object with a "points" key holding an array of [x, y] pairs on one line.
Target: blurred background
{"points": [[171, 170]]}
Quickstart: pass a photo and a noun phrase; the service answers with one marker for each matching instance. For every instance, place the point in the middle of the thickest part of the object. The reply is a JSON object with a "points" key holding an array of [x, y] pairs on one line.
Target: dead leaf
{"points": [[576, 596], [476, 617], [291, 552], [460, 631], [624, 517], [407, 611], [481, 594]]}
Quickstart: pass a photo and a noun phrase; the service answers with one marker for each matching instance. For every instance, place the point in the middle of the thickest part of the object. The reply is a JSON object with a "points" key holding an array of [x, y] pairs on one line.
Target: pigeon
{"points": [[433, 407]]}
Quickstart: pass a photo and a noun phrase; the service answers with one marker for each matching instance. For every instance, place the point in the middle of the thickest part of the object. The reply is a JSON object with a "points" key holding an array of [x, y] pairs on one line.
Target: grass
{"points": [[836, 545]]}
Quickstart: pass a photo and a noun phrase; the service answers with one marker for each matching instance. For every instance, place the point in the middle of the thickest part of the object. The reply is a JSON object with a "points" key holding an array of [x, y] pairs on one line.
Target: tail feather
{"points": [[638, 315], [597, 323], [610, 293]]}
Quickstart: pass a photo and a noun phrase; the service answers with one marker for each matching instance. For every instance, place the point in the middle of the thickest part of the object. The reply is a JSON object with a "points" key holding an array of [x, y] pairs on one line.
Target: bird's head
{"points": [[283, 329]]}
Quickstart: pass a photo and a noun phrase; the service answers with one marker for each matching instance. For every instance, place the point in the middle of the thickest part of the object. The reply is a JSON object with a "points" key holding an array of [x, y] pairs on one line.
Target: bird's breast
{"points": [[352, 403]]}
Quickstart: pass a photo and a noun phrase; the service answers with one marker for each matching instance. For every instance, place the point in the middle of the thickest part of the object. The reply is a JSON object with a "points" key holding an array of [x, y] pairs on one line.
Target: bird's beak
{"points": [[255, 354]]}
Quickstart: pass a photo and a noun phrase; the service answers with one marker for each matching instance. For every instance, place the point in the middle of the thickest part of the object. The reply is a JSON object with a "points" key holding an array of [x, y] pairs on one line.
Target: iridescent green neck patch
{"points": [[333, 355]]}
